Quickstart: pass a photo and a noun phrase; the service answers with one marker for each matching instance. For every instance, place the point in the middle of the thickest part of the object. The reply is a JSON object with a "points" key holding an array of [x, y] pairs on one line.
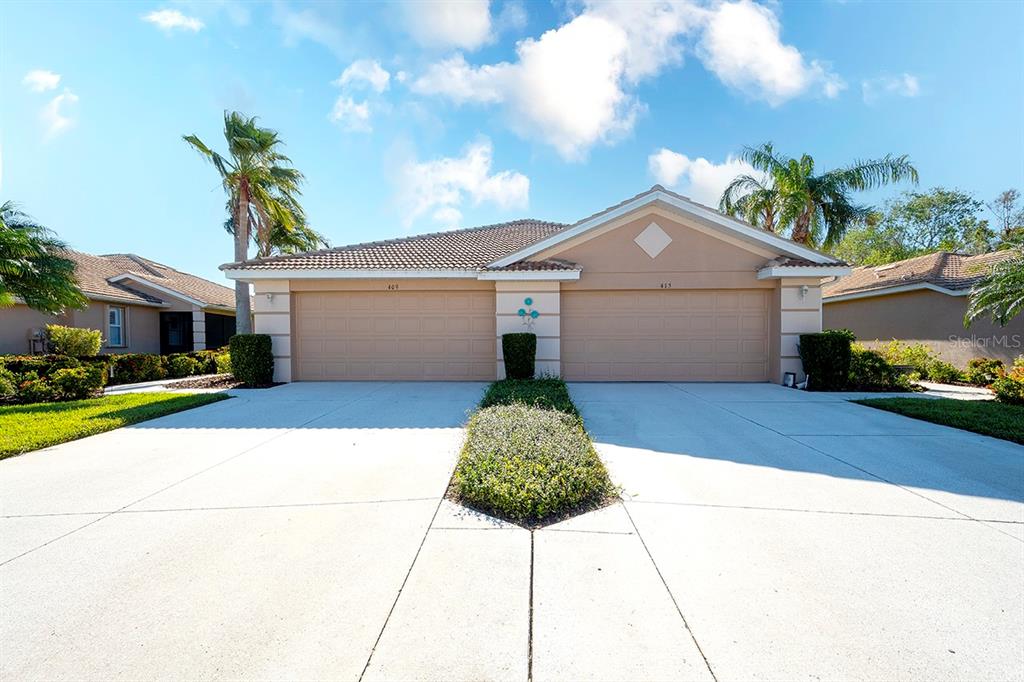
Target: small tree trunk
{"points": [[243, 314], [801, 229]]}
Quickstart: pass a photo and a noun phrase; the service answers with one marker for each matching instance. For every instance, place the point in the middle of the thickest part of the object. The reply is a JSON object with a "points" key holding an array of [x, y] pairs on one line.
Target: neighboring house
{"points": [[140, 306], [922, 300], [655, 288]]}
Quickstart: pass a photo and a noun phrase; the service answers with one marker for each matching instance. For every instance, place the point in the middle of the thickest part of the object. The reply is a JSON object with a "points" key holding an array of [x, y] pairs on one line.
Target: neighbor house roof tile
{"points": [[952, 271], [94, 274]]}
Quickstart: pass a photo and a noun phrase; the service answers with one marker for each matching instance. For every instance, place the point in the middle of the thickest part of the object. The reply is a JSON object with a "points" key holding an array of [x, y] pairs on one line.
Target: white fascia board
{"points": [[772, 241], [774, 272], [121, 301], [162, 289], [531, 275], [343, 273], [885, 291]]}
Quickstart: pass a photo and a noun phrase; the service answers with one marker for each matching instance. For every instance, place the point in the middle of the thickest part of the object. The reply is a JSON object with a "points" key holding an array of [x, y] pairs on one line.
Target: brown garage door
{"points": [[382, 335], [675, 335]]}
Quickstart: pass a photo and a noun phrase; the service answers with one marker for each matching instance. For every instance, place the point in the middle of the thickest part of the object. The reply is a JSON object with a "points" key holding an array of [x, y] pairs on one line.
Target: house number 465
{"points": [[665, 285]]}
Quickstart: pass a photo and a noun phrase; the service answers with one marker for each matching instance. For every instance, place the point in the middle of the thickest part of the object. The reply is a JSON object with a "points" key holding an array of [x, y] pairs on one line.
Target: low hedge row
{"points": [[50, 378], [527, 457]]}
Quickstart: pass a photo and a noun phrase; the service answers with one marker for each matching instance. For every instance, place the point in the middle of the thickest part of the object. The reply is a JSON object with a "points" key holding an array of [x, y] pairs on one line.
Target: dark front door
{"points": [[175, 333]]}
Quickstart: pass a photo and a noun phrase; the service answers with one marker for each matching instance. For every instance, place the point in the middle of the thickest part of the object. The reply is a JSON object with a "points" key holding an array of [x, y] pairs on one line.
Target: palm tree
{"points": [[262, 189], [756, 200], [32, 267], [279, 239], [817, 208], [1000, 295]]}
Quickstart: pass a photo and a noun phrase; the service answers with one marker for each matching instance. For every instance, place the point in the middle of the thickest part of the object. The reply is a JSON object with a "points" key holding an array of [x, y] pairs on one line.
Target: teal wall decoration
{"points": [[528, 314]]}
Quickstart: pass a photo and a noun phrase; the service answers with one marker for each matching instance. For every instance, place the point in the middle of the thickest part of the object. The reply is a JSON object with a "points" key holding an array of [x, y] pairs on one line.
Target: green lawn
{"points": [[30, 427], [980, 416]]}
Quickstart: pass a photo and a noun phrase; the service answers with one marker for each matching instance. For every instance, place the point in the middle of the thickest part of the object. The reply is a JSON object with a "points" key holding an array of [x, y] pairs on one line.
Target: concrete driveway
{"points": [[300, 532], [806, 537]]}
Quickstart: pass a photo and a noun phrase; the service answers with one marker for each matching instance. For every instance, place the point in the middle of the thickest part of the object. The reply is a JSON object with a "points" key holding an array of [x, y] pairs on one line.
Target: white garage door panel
{"points": [[705, 335], [389, 335]]}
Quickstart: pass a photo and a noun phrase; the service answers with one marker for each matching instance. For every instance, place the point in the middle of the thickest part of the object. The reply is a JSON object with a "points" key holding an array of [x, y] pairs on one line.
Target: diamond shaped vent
{"points": [[653, 240]]}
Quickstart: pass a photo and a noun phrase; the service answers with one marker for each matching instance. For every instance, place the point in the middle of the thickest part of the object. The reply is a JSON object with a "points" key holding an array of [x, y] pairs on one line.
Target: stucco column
{"points": [[272, 307], [198, 328], [800, 313], [541, 297]]}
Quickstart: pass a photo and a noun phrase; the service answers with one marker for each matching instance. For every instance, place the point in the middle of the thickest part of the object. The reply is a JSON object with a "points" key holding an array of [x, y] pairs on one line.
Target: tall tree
{"points": [[33, 267], [262, 189], [1001, 294], [279, 239], [1009, 216], [917, 223], [818, 208], [755, 199]]}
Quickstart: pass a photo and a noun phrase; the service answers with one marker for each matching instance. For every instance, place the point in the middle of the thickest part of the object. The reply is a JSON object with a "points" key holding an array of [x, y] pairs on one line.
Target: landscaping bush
{"points": [[1009, 390], [549, 393], [252, 360], [915, 355], [8, 389], [519, 351], [1017, 371], [180, 365], [76, 383], [33, 389], [944, 372], [826, 359], [983, 371], [132, 368], [529, 465], [73, 341], [205, 361], [222, 363], [870, 371]]}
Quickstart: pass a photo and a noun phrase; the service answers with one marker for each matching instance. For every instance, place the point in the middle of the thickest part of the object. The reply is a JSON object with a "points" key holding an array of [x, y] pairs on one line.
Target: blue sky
{"points": [[410, 118]]}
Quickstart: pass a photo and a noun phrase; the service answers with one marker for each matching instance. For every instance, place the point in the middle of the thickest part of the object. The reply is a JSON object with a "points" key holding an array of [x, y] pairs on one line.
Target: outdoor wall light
{"points": [[803, 291], [270, 297]]}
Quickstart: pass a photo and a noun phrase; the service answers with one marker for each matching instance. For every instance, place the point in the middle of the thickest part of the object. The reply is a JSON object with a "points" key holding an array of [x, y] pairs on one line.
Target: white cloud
{"points": [[55, 116], [904, 85], [352, 116], [574, 86], [172, 19], [700, 179], [41, 80], [365, 71], [462, 24], [439, 187], [741, 44], [306, 24]]}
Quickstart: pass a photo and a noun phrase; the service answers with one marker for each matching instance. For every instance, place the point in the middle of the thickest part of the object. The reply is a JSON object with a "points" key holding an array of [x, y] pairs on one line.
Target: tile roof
{"points": [[545, 265], [952, 271], [467, 249], [788, 262], [95, 272]]}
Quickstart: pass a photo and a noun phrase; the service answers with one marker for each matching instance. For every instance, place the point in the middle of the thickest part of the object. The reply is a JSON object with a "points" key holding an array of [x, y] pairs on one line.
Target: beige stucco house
{"points": [[140, 306], [654, 288], [922, 300]]}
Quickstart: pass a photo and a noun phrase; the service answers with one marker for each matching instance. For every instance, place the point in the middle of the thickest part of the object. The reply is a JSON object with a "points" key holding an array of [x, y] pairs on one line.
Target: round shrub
{"points": [[1009, 390], [8, 389], [222, 363], [870, 371], [179, 366], [76, 383], [519, 351], [252, 360], [529, 465], [944, 373], [983, 371], [132, 368]]}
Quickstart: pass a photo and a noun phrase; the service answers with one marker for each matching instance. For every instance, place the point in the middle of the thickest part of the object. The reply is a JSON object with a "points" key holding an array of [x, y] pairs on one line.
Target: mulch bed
{"points": [[215, 381]]}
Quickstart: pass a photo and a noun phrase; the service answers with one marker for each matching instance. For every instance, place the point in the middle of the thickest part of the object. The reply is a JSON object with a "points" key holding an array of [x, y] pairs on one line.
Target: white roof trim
{"points": [[122, 301], [772, 241], [776, 271], [885, 291], [531, 275], [345, 273], [162, 289]]}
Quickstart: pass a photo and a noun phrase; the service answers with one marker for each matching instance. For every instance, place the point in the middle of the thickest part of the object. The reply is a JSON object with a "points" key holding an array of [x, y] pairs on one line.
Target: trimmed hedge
{"points": [[73, 341], [252, 360], [133, 368], [1009, 390], [519, 351], [870, 371], [550, 394], [49, 378], [529, 465], [826, 359]]}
